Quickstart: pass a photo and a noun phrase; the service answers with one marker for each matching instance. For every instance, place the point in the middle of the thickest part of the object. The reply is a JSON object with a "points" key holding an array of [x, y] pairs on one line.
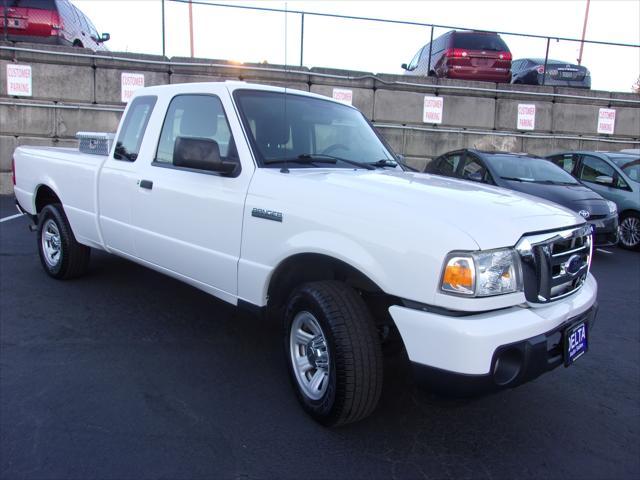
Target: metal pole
{"points": [[301, 38], [584, 31], [430, 50], [191, 26], [546, 59], [163, 32], [5, 22]]}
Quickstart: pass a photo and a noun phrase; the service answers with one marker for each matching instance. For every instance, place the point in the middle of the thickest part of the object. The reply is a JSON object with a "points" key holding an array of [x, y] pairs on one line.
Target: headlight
{"points": [[482, 274], [613, 208]]}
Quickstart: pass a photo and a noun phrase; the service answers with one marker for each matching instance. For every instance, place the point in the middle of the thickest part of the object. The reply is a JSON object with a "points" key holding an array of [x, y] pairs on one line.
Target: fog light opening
{"points": [[508, 366]]}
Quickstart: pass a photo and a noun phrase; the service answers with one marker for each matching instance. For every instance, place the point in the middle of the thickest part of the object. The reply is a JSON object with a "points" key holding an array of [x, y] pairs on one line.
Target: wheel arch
{"points": [[45, 195], [311, 267], [308, 267], [628, 211]]}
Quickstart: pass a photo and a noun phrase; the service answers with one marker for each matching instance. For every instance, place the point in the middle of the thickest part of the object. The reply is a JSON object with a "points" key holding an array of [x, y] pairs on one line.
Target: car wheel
{"points": [[629, 231], [61, 255], [333, 352], [77, 43]]}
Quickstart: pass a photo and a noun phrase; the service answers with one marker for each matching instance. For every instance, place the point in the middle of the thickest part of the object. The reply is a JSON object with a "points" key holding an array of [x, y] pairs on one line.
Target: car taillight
{"points": [[455, 53], [13, 170], [56, 21], [505, 56], [540, 69]]}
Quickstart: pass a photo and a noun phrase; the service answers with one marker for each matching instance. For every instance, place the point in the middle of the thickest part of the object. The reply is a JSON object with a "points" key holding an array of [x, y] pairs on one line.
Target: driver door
{"points": [[188, 222]]}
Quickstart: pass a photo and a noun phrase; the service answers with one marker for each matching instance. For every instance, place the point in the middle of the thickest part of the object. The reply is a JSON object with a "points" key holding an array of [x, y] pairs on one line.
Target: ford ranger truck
{"points": [[290, 204]]}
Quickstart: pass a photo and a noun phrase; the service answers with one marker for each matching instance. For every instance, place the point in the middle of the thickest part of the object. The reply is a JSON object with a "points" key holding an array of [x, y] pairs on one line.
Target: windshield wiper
{"points": [[517, 179], [385, 162], [311, 158], [554, 182], [300, 159]]}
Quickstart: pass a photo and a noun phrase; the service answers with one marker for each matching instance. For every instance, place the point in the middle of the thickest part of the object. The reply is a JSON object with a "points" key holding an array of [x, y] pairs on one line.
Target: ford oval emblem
{"points": [[584, 214], [573, 265]]}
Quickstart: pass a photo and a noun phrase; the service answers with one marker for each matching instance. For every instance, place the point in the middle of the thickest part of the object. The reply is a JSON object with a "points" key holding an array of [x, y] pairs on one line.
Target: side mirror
{"points": [[105, 37], [404, 66], [200, 154], [604, 179]]}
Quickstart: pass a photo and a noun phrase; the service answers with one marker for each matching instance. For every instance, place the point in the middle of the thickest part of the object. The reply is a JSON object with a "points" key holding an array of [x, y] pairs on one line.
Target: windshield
{"points": [[528, 169], [286, 127], [630, 166]]}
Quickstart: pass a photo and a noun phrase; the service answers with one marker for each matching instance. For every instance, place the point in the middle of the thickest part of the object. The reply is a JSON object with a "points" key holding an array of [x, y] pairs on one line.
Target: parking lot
{"points": [[127, 373]]}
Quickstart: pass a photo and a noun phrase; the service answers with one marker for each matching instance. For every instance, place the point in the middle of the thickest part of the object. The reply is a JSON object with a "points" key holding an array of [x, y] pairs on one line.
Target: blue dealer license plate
{"points": [[575, 343]]}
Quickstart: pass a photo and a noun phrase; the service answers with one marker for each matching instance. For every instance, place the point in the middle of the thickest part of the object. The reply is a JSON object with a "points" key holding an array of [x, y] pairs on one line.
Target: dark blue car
{"points": [[535, 176]]}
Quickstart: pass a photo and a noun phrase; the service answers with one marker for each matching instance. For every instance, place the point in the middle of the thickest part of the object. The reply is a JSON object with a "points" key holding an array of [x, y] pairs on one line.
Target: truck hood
{"points": [[493, 217]]}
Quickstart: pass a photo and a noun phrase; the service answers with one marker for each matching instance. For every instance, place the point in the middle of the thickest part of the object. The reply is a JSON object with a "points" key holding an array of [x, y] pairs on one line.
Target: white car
{"points": [[290, 204]]}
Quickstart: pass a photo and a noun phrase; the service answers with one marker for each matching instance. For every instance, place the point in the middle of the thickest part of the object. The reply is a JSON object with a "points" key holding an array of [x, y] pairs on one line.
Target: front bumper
{"points": [[463, 352], [46, 39], [605, 231]]}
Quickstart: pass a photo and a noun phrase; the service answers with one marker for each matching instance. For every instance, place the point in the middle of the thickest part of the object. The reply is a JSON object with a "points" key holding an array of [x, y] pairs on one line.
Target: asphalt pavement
{"points": [[128, 374]]}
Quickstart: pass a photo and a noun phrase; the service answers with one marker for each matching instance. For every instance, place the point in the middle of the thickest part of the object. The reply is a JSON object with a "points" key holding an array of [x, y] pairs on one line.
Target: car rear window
{"points": [[479, 41], [42, 4]]}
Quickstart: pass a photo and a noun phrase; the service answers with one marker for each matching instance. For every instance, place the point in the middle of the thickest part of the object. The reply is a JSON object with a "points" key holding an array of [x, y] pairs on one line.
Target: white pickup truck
{"points": [[291, 204]]}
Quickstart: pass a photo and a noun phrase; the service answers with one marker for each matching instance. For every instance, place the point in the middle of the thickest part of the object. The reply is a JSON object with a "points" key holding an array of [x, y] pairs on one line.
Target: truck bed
{"points": [[71, 174]]}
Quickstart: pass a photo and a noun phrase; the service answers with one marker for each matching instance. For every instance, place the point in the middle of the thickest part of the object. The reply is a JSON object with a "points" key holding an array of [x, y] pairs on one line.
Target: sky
{"points": [[251, 36]]}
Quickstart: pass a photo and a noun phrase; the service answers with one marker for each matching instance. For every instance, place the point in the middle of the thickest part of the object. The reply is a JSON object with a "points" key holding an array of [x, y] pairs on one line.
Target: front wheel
{"points": [[61, 255], [629, 231], [333, 351]]}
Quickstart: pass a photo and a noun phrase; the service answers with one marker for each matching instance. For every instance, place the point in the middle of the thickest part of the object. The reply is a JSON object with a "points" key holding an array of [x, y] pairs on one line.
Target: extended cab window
{"points": [[135, 123], [195, 116]]}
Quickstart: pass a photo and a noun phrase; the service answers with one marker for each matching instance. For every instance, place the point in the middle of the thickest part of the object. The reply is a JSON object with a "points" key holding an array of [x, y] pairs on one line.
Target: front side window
{"points": [[416, 59], [195, 116], [596, 170], [448, 165], [310, 132], [473, 169], [133, 127]]}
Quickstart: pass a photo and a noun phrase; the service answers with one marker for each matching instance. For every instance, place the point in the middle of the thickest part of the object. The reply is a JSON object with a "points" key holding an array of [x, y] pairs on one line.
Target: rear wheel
{"points": [[629, 231], [333, 351], [61, 255]]}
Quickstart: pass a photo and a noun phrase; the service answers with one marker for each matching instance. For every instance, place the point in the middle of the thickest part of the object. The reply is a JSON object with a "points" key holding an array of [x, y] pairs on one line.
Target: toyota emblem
{"points": [[584, 214]]}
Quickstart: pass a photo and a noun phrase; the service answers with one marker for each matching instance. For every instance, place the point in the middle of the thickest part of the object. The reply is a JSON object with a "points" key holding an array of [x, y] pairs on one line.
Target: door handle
{"points": [[148, 184]]}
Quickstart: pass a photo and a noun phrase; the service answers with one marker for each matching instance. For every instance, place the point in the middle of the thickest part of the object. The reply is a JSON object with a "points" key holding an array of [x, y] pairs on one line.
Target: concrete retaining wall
{"points": [[72, 93]]}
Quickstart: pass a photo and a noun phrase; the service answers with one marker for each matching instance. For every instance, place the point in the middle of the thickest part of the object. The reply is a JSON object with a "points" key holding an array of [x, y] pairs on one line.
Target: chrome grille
{"points": [[555, 264]]}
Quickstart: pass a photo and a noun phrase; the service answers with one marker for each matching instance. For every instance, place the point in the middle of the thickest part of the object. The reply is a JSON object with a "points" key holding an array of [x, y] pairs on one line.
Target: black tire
{"points": [[73, 258], [628, 232], [355, 369]]}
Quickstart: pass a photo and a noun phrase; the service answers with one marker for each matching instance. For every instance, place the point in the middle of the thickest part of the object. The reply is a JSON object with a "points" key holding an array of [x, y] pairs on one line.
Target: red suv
{"points": [[56, 22], [467, 55]]}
